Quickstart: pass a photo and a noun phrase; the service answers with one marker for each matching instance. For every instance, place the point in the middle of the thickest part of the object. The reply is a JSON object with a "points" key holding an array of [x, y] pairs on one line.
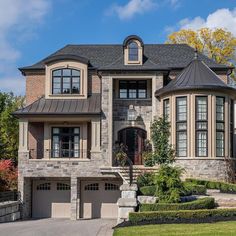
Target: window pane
{"points": [[181, 109], [132, 93], [133, 51], [56, 73], [201, 143], [75, 84], [66, 85], [166, 108], [181, 144], [123, 93], [76, 73], [201, 103], [66, 72]]}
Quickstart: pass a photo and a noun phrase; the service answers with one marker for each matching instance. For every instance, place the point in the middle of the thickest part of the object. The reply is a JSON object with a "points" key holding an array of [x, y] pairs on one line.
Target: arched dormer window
{"points": [[133, 51], [66, 81]]}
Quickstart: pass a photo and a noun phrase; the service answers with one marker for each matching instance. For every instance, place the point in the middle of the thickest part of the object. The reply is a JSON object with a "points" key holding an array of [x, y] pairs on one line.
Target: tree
{"points": [[9, 125], [217, 44]]}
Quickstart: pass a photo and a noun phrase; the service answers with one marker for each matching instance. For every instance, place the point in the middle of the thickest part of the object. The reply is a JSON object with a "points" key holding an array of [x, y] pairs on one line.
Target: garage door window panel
{"points": [[44, 186], [63, 186], [92, 187], [111, 187]]}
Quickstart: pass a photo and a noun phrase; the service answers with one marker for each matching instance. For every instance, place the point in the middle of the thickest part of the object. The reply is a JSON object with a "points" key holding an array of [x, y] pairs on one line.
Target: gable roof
{"points": [[111, 57], [90, 106], [197, 75]]}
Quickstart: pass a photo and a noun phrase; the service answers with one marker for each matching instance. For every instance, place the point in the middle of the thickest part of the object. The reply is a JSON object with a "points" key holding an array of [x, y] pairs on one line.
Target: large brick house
{"points": [[84, 99]]}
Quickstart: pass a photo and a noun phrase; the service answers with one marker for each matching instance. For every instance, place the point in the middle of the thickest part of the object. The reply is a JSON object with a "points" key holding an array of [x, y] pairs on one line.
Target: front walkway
{"points": [[58, 227]]}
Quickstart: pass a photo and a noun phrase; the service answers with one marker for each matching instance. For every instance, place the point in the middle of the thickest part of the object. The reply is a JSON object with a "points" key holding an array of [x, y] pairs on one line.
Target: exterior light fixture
{"points": [[131, 113]]}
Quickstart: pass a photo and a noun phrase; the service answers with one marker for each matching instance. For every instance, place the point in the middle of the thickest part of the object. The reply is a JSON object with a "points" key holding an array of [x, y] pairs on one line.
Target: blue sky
{"points": [[32, 29]]}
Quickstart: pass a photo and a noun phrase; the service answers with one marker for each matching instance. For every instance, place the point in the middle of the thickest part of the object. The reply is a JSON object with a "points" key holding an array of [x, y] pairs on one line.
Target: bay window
{"points": [[181, 126], [66, 81], [65, 142], [166, 108], [201, 126], [220, 126]]}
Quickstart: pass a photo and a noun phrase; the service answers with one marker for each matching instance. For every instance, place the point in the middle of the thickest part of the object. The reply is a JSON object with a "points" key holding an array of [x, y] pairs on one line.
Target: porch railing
{"points": [[59, 153], [9, 196]]}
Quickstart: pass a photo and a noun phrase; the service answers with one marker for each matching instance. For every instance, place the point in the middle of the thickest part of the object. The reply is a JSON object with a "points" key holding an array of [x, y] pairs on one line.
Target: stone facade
{"points": [[9, 211]]}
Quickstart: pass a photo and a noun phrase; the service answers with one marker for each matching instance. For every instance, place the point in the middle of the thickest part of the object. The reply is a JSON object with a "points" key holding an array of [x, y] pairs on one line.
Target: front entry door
{"points": [[134, 139]]}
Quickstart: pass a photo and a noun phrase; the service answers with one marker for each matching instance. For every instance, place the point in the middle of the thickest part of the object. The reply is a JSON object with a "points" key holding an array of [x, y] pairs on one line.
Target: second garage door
{"points": [[99, 199], [51, 199]]}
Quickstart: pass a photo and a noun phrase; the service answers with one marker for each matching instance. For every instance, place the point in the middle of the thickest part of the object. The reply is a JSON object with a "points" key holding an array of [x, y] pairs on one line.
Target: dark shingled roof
{"points": [[42, 106], [111, 57], [197, 75]]}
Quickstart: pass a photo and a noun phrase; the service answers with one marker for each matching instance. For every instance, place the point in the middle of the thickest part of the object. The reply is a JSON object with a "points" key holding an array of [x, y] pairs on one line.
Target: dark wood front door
{"points": [[134, 139]]}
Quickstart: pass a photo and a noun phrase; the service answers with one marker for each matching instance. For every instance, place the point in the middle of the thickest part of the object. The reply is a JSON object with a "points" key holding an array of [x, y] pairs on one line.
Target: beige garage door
{"points": [[51, 199], [99, 199]]}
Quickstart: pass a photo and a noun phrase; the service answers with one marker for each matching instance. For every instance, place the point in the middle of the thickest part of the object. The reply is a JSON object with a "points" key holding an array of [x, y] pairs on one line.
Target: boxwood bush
{"points": [[193, 189], [222, 186], [202, 203], [204, 215], [148, 190]]}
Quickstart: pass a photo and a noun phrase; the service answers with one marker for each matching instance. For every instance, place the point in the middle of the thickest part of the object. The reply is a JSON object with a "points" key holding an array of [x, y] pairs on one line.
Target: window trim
{"points": [[221, 122], [128, 82], [61, 81], [199, 130], [178, 122], [164, 108]]}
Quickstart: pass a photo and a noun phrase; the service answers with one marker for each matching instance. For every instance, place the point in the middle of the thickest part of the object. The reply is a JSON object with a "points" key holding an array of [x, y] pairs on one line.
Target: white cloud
{"points": [[14, 84], [221, 18], [174, 3], [17, 18], [132, 8]]}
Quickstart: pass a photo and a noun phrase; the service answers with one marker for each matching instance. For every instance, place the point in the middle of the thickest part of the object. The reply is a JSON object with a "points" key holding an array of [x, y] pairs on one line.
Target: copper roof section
{"points": [[196, 76], [89, 106]]}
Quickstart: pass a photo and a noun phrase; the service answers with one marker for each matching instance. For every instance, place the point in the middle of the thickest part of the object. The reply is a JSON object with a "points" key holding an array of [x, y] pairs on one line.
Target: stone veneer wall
{"points": [[211, 168], [9, 211]]}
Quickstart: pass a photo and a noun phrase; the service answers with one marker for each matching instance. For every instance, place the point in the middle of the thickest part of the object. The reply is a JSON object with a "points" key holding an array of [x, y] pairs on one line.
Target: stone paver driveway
{"points": [[58, 227]]}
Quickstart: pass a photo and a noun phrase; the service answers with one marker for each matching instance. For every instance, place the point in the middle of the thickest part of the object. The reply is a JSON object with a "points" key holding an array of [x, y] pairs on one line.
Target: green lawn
{"points": [[220, 228]]}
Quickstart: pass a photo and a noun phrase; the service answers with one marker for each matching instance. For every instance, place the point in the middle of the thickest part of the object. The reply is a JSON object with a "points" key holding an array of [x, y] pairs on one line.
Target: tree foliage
{"points": [[9, 125], [163, 153], [217, 44]]}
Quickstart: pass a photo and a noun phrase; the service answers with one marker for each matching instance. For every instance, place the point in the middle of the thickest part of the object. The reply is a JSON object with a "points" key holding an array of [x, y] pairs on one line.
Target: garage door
{"points": [[51, 199], [99, 199]]}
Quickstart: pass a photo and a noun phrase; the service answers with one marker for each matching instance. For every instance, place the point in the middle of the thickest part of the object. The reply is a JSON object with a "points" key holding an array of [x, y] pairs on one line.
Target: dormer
{"points": [[66, 77], [133, 50]]}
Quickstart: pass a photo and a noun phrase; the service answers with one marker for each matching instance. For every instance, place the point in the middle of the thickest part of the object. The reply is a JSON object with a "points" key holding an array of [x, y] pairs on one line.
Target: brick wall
{"points": [[94, 83], [35, 87]]}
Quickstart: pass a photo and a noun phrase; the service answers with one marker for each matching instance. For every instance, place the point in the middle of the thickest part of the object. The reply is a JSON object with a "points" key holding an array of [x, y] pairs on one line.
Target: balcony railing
{"points": [[59, 153]]}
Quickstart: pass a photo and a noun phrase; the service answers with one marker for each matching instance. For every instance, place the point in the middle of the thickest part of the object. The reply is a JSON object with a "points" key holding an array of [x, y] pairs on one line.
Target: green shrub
{"points": [[181, 215], [145, 179], [193, 189], [148, 190], [169, 184], [222, 186], [202, 203]]}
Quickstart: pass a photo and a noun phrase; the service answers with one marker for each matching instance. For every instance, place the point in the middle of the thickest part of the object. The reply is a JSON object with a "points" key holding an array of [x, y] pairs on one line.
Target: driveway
{"points": [[58, 227]]}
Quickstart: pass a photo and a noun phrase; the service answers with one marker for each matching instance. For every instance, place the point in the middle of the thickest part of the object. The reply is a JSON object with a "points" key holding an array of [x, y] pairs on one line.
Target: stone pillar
{"points": [[23, 135], [24, 187], [128, 201], [96, 135], [73, 197]]}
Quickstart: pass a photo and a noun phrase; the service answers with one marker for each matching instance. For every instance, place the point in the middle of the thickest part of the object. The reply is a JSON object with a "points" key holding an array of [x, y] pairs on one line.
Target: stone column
{"points": [[96, 135], [73, 197], [23, 135], [24, 187], [128, 201]]}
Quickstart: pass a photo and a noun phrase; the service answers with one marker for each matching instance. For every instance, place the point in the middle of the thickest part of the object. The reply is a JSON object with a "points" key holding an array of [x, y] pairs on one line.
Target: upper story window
{"points": [[220, 126], [181, 126], [133, 51], [66, 81], [132, 89], [201, 126]]}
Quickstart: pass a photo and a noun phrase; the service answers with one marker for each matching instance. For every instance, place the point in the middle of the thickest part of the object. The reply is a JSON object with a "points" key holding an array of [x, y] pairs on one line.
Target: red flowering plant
{"points": [[8, 175]]}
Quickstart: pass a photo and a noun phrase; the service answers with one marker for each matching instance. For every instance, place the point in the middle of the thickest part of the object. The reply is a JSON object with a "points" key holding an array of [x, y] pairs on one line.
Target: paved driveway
{"points": [[58, 227]]}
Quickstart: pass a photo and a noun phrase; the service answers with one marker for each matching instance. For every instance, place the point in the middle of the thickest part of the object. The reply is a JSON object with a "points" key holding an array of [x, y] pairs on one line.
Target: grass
{"points": [[205, 229]]}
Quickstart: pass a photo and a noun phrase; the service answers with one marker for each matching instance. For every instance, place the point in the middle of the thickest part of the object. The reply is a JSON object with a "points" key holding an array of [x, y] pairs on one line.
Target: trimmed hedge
{"points": [[193, 189], [202, 203], [148, 190], [205, 215], [222, 186]]}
